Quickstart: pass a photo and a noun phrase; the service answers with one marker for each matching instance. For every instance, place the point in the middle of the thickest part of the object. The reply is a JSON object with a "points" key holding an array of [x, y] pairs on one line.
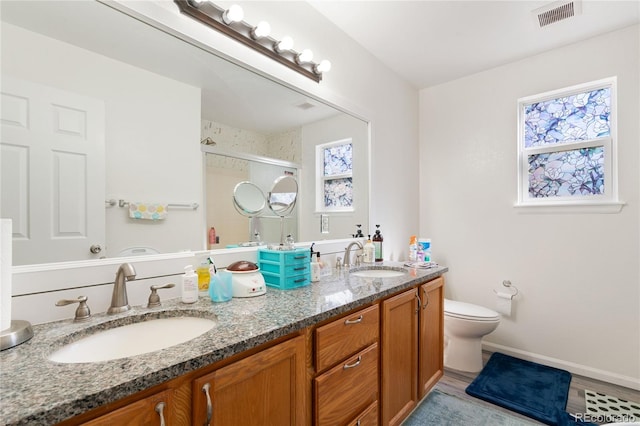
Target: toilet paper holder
{"points": [[508, 284]]}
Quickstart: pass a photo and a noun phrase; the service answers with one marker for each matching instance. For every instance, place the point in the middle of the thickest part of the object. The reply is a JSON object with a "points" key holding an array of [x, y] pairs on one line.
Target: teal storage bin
{"points": [[285, 269]]}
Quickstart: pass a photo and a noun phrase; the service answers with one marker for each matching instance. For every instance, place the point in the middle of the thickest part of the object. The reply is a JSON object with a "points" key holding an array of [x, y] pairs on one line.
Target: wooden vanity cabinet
{"points": [[412, 348], [154, 410], [347, 358], [365, 368], [267, 388]]}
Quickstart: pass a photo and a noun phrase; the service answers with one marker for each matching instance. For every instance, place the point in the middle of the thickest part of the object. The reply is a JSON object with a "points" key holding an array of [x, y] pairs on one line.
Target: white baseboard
{"points": [[582, 370]]}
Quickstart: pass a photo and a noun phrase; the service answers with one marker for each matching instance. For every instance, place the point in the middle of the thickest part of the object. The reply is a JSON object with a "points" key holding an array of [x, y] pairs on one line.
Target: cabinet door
{"points": [[154, 410], [399, 356], [431, 366], [267, 388]]}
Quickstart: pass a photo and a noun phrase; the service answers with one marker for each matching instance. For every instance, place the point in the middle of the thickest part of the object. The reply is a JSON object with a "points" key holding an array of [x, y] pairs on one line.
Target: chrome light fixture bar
{"points": [[230, 22]]}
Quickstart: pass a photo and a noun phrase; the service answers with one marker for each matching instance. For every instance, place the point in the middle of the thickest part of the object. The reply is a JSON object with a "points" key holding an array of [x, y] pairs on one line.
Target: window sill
{"points": [[586, 207], [344, 212]]}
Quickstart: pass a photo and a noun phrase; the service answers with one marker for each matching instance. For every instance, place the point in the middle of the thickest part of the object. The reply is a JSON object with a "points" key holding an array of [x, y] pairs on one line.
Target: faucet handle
{"points": [[338, 262], [358, 260], [83, 312], [154, 298]]}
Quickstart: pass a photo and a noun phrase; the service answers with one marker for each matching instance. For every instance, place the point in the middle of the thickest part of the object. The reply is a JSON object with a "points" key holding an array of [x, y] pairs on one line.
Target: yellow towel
{"points": [[147, 211]]}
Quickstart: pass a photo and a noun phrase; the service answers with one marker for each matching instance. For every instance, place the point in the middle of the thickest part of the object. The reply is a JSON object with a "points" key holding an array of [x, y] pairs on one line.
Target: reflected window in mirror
{"points": [[335, 176]]}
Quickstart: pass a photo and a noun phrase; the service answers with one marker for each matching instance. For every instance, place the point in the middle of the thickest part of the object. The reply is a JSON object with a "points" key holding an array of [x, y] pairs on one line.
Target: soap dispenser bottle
{"points": [[315, 268], [189, 289], [369, 252], [377, 243]]}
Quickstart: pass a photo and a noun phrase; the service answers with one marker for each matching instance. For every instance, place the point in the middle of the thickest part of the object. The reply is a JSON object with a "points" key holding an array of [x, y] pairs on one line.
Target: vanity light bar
{"points": [[219, 19]]}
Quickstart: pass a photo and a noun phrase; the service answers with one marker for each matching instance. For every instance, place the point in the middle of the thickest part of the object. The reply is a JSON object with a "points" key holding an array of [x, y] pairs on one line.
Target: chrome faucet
{"points": [[347, 252], [119, 300]]}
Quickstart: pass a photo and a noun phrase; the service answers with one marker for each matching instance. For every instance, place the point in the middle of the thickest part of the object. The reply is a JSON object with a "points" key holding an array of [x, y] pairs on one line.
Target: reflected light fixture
{"points": [[230, 22], [233, 14], [283, 45], [263, 29], [323, 66], [305, 56]]}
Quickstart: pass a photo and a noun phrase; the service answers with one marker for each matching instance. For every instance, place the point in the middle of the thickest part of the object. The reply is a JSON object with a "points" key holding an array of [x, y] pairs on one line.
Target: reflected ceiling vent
{"points": [[557, 11], [306, 105], [208, 141]]}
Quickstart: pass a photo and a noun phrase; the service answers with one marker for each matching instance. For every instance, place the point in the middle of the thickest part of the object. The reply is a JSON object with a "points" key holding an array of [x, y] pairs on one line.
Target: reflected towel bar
{"points": [[123, 203]]}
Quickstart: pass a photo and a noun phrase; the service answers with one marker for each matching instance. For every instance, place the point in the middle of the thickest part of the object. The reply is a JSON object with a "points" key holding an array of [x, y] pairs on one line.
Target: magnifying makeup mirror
{"points": [[249, 200], [282, 199]]}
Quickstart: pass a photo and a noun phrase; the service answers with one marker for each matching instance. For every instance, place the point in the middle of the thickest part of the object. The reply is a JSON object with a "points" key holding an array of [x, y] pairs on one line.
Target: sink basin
{"points": [[133, 339], [379, 273]]}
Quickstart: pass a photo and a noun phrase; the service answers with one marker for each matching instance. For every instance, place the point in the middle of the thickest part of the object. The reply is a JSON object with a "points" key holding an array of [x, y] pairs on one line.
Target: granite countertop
{"points": [[34, 390]]}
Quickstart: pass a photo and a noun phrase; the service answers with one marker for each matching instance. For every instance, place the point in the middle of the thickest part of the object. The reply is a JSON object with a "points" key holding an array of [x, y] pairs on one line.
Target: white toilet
{"points": [[465, 325]]}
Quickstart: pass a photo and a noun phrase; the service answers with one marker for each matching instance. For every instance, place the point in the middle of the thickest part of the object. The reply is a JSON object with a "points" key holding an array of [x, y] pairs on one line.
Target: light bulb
{"points": [[323, 66], [233, 14], [285, 44], [305, 56], [196, 3], [263, 29]]}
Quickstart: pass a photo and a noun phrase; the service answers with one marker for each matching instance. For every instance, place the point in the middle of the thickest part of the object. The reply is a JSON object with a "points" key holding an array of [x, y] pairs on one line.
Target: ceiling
{"points": [[426, 42], [429, 42]]}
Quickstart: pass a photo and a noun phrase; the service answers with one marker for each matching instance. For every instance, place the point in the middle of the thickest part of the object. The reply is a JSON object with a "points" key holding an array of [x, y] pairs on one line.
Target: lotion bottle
{"points": [[189, 289], [315, 268], [413, 248], [369, 254]]}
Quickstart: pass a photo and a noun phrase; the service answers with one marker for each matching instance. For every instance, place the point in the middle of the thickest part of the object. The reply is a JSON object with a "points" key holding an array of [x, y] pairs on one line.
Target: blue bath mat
{"points": [[528, 388]]}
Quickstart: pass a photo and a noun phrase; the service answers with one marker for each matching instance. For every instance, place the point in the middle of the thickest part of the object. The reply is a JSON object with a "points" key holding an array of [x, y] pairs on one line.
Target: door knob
{"points": [[95, 249]]}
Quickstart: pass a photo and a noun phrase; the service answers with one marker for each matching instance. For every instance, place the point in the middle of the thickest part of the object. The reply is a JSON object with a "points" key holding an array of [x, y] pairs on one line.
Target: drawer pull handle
{"points": [[355, 364], [302, 268], [355, 321], [299, 280], [205, 389], [419, 302], [424, 290], [160, 411], [300, 257]]}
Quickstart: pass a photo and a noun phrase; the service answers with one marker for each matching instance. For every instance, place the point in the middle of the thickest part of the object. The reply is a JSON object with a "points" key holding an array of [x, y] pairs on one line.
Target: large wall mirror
{"points": [[103, 114]]}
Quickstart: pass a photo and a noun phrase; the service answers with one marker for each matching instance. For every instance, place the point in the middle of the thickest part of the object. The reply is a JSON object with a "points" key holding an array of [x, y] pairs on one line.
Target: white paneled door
{"points": [[52, 172]]}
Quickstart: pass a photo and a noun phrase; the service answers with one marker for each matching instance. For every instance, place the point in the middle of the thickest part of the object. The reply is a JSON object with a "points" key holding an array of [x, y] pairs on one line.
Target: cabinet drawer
{"points": [[285, 282], [369, 417], [277, 268], [347, 389], [289, 257], [341, 338]]}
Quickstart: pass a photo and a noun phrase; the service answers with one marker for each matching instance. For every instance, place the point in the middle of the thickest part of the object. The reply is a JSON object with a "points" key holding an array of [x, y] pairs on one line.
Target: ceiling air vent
{"points": [[306, 105], [557, 11]]}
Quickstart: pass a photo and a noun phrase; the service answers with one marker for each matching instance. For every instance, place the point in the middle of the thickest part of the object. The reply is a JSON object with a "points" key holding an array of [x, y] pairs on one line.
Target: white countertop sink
{"points": [[132, 339], [378, 273]]}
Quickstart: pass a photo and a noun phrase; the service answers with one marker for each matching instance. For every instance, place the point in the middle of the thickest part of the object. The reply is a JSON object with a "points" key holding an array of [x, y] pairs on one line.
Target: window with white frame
{"points": [[334, 176], [567, 146]]}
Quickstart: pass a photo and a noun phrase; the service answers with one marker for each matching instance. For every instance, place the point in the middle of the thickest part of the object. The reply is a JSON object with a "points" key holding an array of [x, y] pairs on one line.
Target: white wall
{"points": [[579, 302], [147, 116]]}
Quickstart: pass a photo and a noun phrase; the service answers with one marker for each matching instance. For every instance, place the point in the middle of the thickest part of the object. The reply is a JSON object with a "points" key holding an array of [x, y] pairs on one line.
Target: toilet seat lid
{"points": [[464, 310]]}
